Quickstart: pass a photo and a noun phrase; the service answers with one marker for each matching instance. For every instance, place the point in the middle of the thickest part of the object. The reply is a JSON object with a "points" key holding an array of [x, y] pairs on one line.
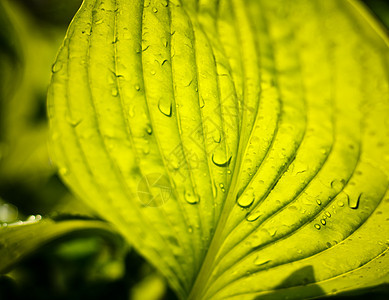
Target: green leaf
{"points": [[241, 146], [17, 240]]}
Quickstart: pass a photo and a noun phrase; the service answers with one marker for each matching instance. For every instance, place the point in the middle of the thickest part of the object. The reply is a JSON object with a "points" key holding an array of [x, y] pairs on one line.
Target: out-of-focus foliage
{"points": [[381, 9], [52, 12], [78, 265], [23, 140]]}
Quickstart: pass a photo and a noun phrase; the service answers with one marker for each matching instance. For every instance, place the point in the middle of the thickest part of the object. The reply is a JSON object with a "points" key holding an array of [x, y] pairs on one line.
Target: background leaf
{"points": [[240, 146], [22, 238]]}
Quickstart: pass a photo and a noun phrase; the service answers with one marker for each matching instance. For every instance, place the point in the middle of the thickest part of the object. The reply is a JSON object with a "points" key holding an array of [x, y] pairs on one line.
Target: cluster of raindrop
{"points": [[323, 220], [30, 220]]}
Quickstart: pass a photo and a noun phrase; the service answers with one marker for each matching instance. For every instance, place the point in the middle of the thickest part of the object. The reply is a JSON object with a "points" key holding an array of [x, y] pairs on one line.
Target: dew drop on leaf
{"points": [[191, 198], [253, 216], [131, 112], [246, 199], [337, 185], [165, 107], [216, 136], [323, 221], [214, 190], [317, 226], [114, 92], [149, 130], [220, 158], [146, 149], [72, 121], [57, 66], [202, 102], [353, 202], [260, 261], [63, 171], [137, 87]]}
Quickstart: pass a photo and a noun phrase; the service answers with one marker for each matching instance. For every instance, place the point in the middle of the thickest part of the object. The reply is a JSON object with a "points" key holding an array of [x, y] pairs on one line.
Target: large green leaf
{"points": [[240, 145]]}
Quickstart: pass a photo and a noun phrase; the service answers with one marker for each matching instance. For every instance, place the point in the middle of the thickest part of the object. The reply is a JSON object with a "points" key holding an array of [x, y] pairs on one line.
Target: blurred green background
{"points": [[77, 266]]}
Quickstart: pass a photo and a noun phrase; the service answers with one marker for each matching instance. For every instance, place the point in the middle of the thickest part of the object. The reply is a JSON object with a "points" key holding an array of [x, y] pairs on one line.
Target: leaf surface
{"points": [[240, 145]]}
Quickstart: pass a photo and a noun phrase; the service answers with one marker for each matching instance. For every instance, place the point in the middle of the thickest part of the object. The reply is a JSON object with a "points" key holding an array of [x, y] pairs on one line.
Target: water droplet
{"points": [[114, 92], [149, 130], [323, 221], [146, 149], [191, 198], [155, 10], [174, 162], [202, 102], [253, 216], [272, 231], [165, 107], [246, 199], [220, 158], [260, 261], [74, 122], [317, 226], [318, 202], [131, 112], [8, 213], [353, 202], [340, 203], [152, 72], [337, 185], [57, 66], [214, 190], [137, 87], [228, 171], [31, 218], [328, 214], [63, 171], [216, 136]]}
